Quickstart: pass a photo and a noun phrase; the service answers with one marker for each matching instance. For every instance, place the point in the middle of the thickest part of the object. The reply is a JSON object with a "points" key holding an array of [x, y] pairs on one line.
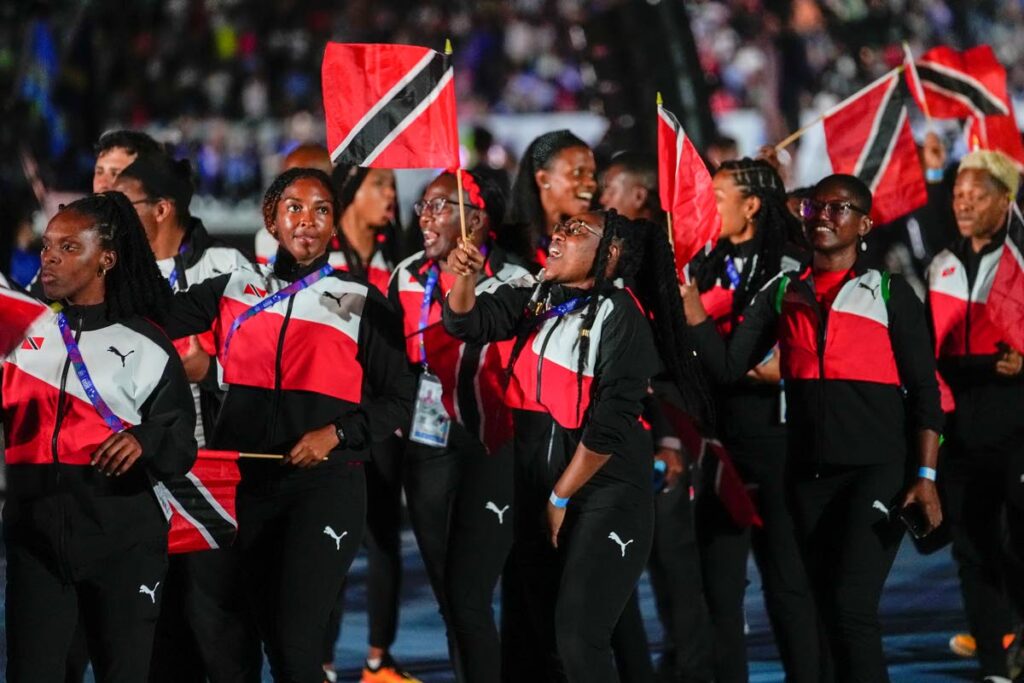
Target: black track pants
{"points": [[119, 602], [383, 543], [724, 549], [205, 631], [678, 589], [849, 545], [460, 506], [297, 543], [984, 501], [604, 552]]}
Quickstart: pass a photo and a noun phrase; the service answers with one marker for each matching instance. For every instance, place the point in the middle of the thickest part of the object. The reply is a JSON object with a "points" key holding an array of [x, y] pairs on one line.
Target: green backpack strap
{"points": [[780, 293]]}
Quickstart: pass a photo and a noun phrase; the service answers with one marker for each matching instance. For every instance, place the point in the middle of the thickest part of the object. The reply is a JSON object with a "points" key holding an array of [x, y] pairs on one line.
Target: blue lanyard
{"points": [[75, 355], [428, 299], [732, 272], [293, 288], [173, 277], [564, 308]]}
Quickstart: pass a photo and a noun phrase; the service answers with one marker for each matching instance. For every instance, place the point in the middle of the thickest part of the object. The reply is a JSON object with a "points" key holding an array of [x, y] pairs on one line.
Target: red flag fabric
{"points": [[389, 106], [684, 187], [971, 85], [728, 485], [998, 133], [868, 136], [202, 503], [17, 314], [1006, 298]]}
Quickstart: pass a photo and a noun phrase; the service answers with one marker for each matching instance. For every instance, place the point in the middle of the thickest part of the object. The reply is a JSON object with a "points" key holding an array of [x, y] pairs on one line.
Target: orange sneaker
{"points": [[964, 645], [387, 672]]}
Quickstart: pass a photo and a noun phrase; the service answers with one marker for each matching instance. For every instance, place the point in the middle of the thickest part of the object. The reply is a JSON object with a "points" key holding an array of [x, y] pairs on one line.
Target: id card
{"points": [[430, 421]]}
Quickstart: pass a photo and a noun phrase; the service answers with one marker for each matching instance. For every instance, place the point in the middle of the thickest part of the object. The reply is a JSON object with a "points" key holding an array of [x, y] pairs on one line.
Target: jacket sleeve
{"points": [[495, 316], [728, 362], [167, 429], [627, 359], [913, 349], [389, 386], [195, 310]]}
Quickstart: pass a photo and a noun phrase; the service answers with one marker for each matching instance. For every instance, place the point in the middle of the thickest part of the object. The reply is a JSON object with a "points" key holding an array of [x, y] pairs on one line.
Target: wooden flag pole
{"points": [[793, 137], [261, 456], [458, 171], [668, 213], [917, 83]]}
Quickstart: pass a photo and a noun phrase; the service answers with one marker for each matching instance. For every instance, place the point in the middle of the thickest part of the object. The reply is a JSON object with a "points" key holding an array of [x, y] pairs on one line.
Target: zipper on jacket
{"points": [[277, 367], [822, 316], [62, 543], [540, 356]]}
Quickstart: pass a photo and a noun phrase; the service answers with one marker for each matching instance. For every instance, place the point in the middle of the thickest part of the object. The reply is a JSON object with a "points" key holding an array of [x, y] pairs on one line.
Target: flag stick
{"points": [[793, 137], [668, 221], [917, 83], [261, 456], [458, 171]]}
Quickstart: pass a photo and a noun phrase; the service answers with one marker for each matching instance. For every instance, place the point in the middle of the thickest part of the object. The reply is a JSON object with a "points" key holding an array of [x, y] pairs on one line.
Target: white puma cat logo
{"points": [[615, 537], [880, 506], [494, 508], [151, 592], [337, 539]]}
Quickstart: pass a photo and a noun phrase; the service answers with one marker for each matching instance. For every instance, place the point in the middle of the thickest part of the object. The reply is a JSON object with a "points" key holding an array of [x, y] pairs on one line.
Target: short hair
{"points": [[164, 178], [860, 191], [1000, 168], [132, 141]]}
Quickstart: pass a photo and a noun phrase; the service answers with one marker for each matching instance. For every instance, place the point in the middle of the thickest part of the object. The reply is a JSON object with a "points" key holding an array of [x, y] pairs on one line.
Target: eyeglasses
{"points": [[147, 200], [573, 228], [810, 208], [436, 206]]}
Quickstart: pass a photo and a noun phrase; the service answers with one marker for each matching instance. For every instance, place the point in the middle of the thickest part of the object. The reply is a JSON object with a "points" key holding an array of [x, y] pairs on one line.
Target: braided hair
{"points": [[656, 286], [285, 262], [773, 223], [526, 209], [134, 286], [347, 180]]}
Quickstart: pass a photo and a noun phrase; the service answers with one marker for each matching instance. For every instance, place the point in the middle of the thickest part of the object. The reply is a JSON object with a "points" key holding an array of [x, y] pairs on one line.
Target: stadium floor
{"points": [[920, 610]]}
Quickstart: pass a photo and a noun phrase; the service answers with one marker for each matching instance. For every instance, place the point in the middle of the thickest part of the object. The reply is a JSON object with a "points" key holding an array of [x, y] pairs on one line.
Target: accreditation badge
{"points": [[430, 421]]}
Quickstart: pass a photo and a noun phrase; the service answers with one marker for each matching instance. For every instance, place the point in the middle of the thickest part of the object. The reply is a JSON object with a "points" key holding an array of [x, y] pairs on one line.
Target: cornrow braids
{"points": [[526, 208], [773, 226], [134, 286]]}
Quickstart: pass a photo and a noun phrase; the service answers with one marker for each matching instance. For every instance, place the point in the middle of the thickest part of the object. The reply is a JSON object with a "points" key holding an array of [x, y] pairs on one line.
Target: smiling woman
{"points": [[82, 447], [314, 367], [855, 356]]}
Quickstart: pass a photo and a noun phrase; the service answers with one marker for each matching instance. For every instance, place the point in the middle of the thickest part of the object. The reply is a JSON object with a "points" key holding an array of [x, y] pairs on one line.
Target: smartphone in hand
{"points": [[914, 519]]}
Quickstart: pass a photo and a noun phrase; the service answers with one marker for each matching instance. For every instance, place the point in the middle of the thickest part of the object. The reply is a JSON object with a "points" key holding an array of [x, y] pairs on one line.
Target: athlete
{"points": [[313, 365], [584, 353], [752, 249], [96, 408], [858, 388], [458, 477], [983, 384]]}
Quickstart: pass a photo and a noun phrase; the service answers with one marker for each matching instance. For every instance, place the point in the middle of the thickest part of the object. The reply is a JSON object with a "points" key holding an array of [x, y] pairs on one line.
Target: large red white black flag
{"points": [[868, 136], [389, 106]]}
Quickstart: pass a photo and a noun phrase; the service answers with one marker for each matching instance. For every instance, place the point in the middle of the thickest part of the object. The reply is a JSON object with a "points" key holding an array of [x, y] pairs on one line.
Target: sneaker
{"points": [[388, 672], [964, 645]]}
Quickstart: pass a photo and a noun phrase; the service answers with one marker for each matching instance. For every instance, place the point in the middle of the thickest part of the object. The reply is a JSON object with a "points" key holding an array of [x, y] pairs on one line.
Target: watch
{"points": [[340, 433]]}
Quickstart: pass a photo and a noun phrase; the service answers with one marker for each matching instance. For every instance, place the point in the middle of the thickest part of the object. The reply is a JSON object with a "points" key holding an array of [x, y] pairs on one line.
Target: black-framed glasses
{"points": [[574, 228], [834, 210], [436, 206], [147, 200]]}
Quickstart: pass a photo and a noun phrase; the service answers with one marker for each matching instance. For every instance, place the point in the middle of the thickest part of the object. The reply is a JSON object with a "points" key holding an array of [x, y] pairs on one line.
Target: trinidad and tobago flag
{"points": [[390, 106], [970, 85], [17, 313], [684, 188], [868, 136], [201, 504], [1006, 298]]}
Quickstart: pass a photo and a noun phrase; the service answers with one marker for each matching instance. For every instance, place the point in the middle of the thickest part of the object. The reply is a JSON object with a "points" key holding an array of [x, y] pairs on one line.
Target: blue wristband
{"points": [[934, 175], [558, 502], [926, 473]]}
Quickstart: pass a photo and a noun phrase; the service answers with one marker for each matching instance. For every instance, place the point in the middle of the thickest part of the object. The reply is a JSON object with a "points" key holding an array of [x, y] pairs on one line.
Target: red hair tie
{"points": [[471, 187]]}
